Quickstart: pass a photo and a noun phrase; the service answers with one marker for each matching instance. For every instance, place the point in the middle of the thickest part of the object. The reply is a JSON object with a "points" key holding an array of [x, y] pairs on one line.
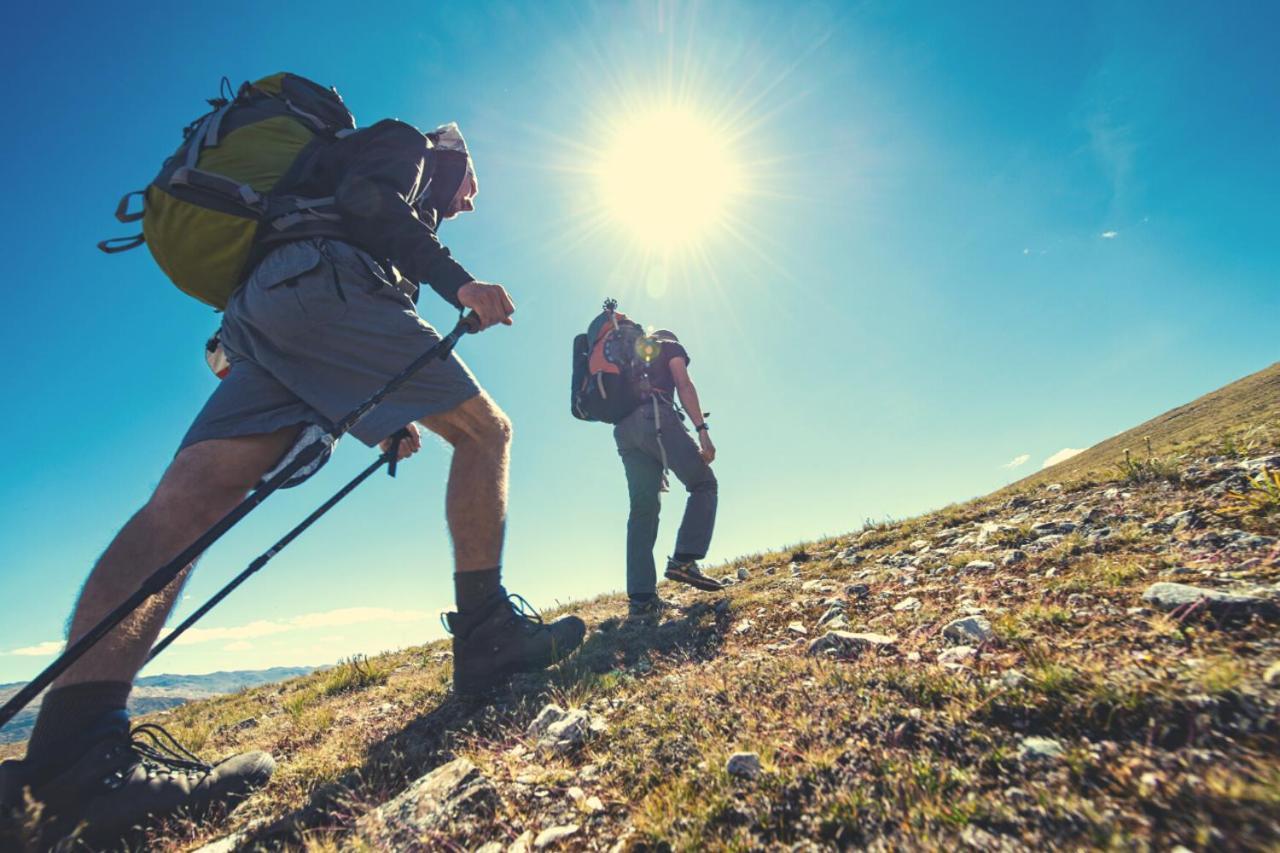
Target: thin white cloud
{"points": [[1020, 459], [1109, 235], [39, 650], [326, 619], [238, 646], [1062, 455]]}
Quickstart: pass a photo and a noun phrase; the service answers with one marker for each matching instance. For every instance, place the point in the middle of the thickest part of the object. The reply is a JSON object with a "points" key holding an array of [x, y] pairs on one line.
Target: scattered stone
{"points": [[857, 590], [1013, 558], [1013, 679], [847, 644], [978, 566], [559, 731], [971, 629], [835, 611], [797, 628], [743, 574], [1172, 596], [1036, 748], [837, 624], [818, 585], [743, 765], [553, 835], [919, 545], [491, 847], [228, 844], [1272, 676], [742, 627], [438, 802], [908, 603], [956, 654]]}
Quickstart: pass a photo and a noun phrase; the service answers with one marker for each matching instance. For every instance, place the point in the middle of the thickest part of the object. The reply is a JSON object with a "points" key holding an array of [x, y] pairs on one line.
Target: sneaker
{"points": [[505, 638], [127, 780], [647, 611], [690, 573]]}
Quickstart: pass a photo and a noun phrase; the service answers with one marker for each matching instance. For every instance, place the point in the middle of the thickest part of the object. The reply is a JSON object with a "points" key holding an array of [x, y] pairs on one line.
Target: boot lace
{"points": [[159, 753], [162, 751]]}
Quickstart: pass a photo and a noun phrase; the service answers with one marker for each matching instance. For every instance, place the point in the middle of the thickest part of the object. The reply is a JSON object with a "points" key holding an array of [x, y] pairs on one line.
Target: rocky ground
{"points": [[1079, 665]]}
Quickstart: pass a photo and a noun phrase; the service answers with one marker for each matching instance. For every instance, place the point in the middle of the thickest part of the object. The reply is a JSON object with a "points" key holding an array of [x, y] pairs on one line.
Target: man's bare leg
{"points": [[202, 484], [492, 640], [476, 501]]}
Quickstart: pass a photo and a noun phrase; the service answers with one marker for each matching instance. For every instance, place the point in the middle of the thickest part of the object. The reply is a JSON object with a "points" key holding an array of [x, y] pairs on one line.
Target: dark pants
{"points": [[637, 438]]}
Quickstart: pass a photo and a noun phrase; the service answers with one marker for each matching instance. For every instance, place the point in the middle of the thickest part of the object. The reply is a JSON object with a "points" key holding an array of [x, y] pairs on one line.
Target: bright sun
{"points": [[668, 177]]}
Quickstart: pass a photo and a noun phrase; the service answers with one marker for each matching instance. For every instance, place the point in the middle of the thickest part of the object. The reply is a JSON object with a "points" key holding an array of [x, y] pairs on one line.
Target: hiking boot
{"points": [[688, 572], [648, 611], [504, 638], [125, 780]]}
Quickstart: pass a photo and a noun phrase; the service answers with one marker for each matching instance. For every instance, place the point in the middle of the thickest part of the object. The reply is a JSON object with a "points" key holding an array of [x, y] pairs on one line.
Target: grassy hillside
{"points": [[1233, 420], [1075, 713]]}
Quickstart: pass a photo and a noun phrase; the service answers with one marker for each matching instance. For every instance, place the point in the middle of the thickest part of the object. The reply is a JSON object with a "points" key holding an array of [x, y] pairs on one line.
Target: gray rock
{"points": [[857, 590], [491, 847], [1013, 558], [229, 844], [971, 629], [743, 574], [978, 566], [908, 603], [833, 612], [1272, 676], [558, 731], [743, 765], [956, 654], [1172, 596], [1036, 748], [1013, 679], [440, 801], [848, 644], [554, 835]]}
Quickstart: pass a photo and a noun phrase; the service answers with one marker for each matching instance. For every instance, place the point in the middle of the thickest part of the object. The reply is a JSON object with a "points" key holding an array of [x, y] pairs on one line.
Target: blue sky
{"points": [[969, 235]]}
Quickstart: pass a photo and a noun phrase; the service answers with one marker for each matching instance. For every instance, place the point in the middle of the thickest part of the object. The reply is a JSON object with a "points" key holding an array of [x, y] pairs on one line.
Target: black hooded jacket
{"points": [[380, 178]]}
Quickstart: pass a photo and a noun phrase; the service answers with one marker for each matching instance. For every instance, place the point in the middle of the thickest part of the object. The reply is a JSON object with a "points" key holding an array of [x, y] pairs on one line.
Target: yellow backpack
{"points": [[204, 212]]}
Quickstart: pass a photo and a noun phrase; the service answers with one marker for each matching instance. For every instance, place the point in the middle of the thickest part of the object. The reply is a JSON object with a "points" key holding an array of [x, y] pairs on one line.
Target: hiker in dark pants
{"points": [[652, 440], [325, 317]]}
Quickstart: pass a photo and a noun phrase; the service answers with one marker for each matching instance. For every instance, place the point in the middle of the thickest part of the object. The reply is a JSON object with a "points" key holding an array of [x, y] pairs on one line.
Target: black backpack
{"points": [[611, 367]]}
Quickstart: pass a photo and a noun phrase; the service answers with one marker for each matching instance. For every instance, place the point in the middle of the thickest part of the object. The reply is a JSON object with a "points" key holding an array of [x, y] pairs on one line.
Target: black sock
{"points": [[68, 714], [472, 590]]}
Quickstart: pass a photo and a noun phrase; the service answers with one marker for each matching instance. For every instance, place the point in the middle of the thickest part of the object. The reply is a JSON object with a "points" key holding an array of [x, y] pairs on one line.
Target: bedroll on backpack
{"points": [[608, 368], [203, 213]]}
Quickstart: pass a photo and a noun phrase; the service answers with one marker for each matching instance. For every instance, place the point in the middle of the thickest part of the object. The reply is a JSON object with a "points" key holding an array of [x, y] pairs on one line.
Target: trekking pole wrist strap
{"points": [[702, 427]]}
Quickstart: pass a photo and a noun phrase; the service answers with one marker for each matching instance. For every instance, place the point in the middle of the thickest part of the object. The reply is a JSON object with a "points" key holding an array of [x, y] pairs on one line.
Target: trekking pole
{"points": [[389, 458], [165, 575]]}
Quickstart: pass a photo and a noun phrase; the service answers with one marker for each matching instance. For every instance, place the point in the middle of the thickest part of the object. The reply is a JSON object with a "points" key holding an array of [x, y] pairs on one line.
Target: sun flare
{"points": [[668, 177]]}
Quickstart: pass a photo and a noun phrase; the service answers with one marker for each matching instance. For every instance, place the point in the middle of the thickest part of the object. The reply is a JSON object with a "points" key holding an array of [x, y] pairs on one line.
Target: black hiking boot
{"points": [[506, 637], [104, 798], [646, 612], [688, 572]]}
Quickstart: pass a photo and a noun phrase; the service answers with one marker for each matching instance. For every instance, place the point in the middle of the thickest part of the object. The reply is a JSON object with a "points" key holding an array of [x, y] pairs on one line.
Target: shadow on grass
{"points": [[390, 765]]}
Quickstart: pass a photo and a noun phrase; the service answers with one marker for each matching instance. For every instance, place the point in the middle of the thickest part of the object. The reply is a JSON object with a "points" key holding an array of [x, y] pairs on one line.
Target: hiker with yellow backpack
{"points": [[312, 237], [633, 379]]}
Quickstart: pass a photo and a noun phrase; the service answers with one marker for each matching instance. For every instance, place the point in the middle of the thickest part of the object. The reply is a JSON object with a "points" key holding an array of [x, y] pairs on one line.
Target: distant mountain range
{"points": [[158, 692]]}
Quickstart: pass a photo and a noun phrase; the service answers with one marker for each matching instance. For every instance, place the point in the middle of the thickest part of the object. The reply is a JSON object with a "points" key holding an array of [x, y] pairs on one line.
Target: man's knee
{"points": [[479, 421], [705, 485]]}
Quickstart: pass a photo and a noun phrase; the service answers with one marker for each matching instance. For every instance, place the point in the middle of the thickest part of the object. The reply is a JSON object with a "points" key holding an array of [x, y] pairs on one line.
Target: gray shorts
{"points": [[314, 331]]}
